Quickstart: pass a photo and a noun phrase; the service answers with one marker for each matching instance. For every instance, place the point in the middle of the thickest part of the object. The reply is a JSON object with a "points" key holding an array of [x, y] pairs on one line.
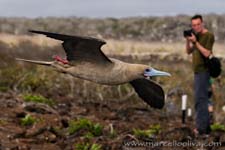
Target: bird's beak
{"points": [[153, 72]]}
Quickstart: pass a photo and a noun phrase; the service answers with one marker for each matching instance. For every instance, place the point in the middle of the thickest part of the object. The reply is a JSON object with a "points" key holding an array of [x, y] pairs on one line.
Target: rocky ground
{"points": [[118, 121]]}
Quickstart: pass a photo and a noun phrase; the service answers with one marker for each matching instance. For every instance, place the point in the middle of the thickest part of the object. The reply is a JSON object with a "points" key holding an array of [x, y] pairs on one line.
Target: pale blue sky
{"points": [[108, 8]]}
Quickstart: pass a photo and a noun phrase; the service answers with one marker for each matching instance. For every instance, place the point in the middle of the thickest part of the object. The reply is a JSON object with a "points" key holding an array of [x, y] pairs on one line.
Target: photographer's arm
{"points": [[207, 49], [205, 52], [189, 47]]}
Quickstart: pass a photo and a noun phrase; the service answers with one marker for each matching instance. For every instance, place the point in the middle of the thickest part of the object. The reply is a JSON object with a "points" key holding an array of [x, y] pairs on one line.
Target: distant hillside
{"points": [[164, 29]]}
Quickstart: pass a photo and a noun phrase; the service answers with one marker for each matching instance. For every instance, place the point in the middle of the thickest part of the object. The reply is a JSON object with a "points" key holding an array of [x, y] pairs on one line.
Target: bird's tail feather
{"points": [[46, 63]]}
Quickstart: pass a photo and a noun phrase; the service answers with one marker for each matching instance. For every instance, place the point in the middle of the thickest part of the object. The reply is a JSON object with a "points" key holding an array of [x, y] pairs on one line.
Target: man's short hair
{"points": [[197, 16]]}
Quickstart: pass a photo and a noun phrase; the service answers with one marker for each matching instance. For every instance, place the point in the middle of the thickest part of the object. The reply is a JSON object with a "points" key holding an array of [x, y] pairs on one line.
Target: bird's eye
{"points": [[147, 70]]}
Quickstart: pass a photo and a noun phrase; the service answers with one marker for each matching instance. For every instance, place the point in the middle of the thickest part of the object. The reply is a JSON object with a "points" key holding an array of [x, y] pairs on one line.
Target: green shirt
{"points": [[199, 61]]}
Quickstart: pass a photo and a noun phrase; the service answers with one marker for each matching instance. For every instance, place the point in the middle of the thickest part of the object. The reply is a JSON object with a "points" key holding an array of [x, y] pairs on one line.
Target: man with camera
{"points": [[200, 43]]}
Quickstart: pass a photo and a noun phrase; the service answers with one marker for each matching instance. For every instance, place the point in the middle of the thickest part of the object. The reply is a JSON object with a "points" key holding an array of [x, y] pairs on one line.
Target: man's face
{"points": [[197, 25]]}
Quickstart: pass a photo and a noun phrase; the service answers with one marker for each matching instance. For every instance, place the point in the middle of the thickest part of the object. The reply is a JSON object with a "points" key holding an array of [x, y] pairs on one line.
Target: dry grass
{"points": [[14, 40], [126, 47], [160, 48]]}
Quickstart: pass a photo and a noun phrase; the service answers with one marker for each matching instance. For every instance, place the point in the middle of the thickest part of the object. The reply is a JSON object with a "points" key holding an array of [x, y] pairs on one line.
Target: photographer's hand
{"points": [[189, 44], [192, 38]]}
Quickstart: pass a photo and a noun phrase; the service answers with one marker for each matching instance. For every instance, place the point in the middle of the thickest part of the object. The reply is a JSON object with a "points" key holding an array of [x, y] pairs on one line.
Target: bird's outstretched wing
{"points": [[79, 48], [150, 92]]}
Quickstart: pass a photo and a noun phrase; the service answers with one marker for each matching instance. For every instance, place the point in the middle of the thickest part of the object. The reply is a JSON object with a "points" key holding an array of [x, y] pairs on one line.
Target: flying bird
{"points": [[85, 60]]}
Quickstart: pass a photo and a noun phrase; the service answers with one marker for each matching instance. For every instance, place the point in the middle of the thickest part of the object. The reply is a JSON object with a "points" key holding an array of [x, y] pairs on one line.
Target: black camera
{"points": [[188, 32]]}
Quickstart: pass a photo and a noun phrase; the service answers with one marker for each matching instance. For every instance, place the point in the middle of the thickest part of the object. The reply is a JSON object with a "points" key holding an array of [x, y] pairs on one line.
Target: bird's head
{"points": [[140, 71], [151, 72]]}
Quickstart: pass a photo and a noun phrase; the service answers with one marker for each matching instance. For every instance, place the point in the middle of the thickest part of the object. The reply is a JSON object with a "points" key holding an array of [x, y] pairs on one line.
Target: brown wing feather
{"points": [[80, 48]]}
